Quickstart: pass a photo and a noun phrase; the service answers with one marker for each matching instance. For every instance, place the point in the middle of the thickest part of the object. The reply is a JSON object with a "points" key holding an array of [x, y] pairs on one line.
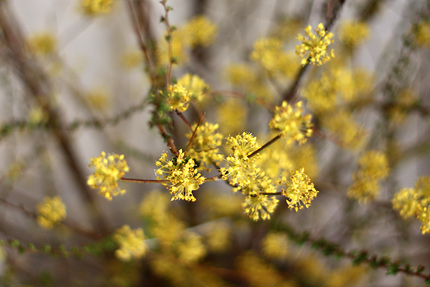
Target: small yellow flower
{"points": [[314, 49], [96, 7], [178, 97], [131, 243], [205, 145], [373, 167], [291, 122], [181, 175], [300, 190], [415, 202], [42, 44], [50, 212], [196, 87], [108, 171], [422, 34], [200, 31], [352, 33], [275, 245], [259, 206]]}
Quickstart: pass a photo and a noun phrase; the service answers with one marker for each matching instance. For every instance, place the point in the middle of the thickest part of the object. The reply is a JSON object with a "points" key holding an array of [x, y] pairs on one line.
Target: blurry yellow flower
{"points": [[231, 116], [50, 212], [108, 171], [353, 33], [42, 44], [275, 245], [200, 31], [96, 7], [131, 243], [196, 87], [314, 48], [191, 248], [422, 34], [373, 167]]}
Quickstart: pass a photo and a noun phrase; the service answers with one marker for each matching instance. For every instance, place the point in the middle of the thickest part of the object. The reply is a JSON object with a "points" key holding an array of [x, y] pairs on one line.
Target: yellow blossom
{"points": [[131, 243], [96, 7], [98, 99], [218, 237], [275, 245], [314, 48], [37, 116], [181, 175], [300, 191], [191, 248], [42, 44], [373, 167], [353, 33], [291, 122], [50, 212], [205, 144], [240, 74], [132, 59], [415, 202], [422, 34], [259, 206], [266, 52], [231, 116], [200, 31], [178, 46], [109, 169], [350, 134], [178, 97], [196, 87], [240, 165]]}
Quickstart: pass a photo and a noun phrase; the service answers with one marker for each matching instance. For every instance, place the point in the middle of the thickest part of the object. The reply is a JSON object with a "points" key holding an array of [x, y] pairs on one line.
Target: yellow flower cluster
{"points": [[96, 7], [336, 87], [231, 116], [109, 169], [353, 33], [248, 178], [190, 248], [275, 245], [240, 165], [259, 206], [373, 168], [422, 34], [313, 49], [205, 145], [300, 191], [196, 87], [415, 202], [50, 212], [350, 134], [200, 31], [268, 53], [291, 122], [181, 175], [42, 44], [178, 97], [131, 243]]}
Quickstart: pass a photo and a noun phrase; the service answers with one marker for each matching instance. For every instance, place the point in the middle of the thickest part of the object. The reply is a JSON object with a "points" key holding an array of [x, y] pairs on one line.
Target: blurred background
{"points": [[75, 81]]}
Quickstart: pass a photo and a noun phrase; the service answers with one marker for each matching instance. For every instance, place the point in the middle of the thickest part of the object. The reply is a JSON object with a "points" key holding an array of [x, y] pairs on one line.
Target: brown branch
{"points": [[38, 86]]}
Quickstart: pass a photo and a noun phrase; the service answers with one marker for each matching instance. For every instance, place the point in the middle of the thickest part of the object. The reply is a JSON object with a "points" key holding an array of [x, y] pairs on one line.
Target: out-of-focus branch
{"points": [[39, 88]]}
